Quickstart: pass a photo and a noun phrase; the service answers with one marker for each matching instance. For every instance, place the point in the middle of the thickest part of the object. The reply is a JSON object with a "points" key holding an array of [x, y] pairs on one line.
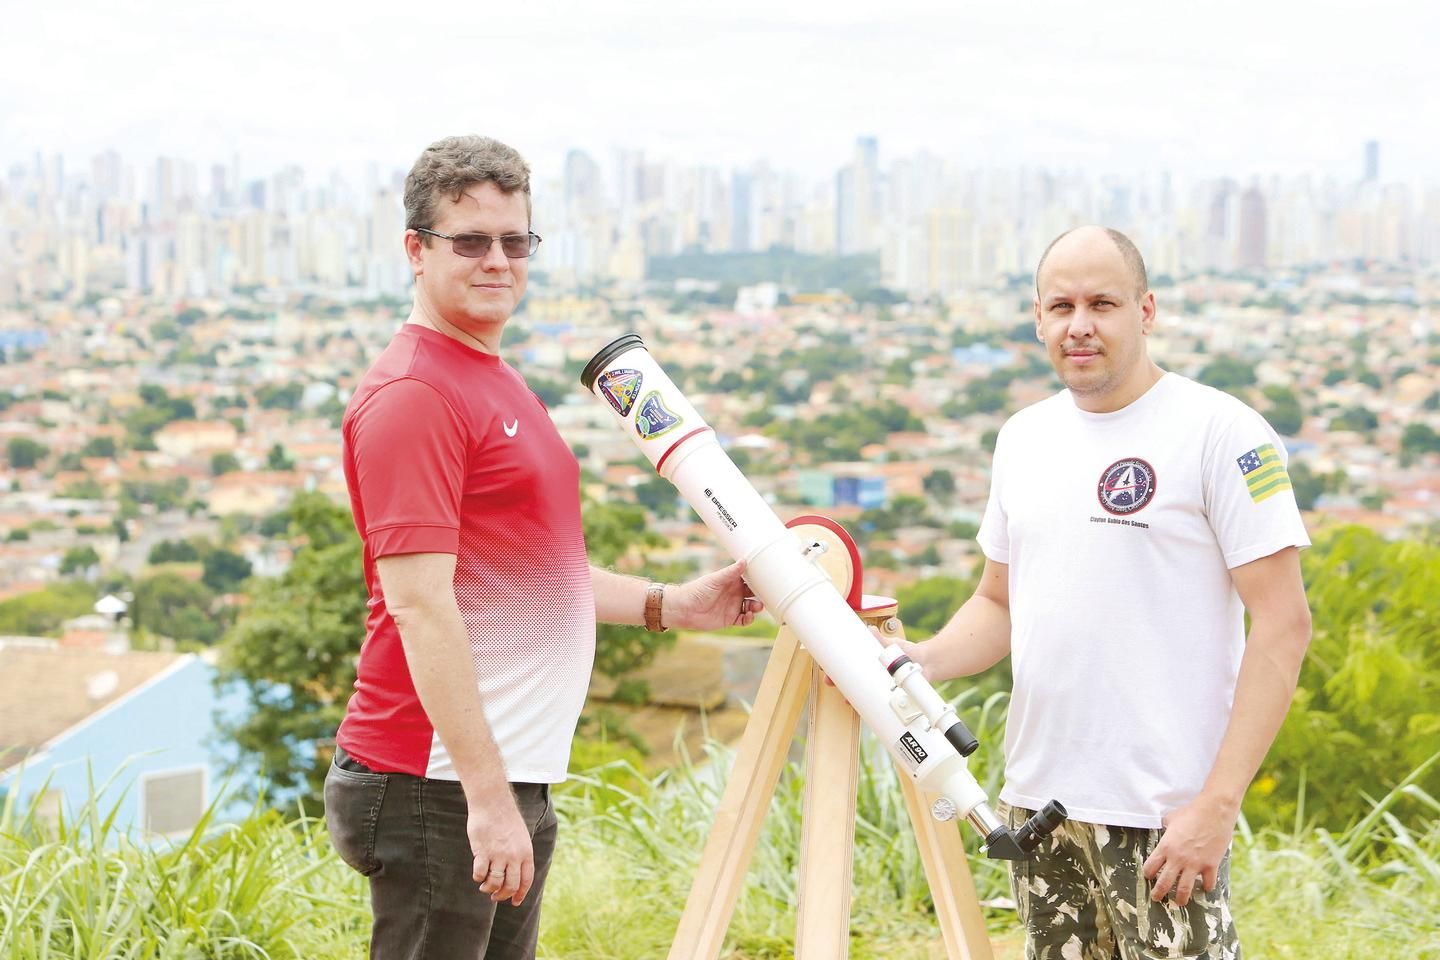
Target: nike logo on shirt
{"points": [[511, 428]]}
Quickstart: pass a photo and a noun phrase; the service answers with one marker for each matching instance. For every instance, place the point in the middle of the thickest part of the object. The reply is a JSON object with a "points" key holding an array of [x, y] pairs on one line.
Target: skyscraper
{"points": [[1372, 160]]}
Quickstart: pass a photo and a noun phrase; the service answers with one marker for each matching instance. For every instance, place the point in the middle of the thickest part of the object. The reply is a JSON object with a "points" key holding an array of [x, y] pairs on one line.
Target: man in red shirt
{"points": [[481, 631]]}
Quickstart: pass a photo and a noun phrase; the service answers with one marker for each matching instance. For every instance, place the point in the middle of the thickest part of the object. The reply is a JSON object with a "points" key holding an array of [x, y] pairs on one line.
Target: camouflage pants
{"points": [[1084, 896]]}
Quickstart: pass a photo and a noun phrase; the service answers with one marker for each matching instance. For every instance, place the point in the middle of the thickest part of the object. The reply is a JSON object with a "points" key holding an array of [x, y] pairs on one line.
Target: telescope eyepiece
{"points": [[1041, 825]]}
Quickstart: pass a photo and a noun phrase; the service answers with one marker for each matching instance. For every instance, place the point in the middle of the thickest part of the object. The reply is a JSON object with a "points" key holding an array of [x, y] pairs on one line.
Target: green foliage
{"points": [[1227, 373], [80, 889], [99, 447], [1367, 709], [162, 494], [927, 605], [778, 264], [1358, 419], [293, 648], [989, 394], [224, 570], [174, 551], [168, 605], [1418, 439], [273, 396], [158, 408], [255, 888], [1284, 413], [79, 560], [841, 434], [22, 453], [223, 462], [940, 483], [41, 612], [658, 496], [1309, 485], [86, 489], [903, 511], [278, 459], [615, 532]]}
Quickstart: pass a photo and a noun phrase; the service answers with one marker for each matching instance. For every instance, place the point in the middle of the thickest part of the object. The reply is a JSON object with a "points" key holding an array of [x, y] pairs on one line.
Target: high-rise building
{"points": [[1372, 160], [583, 195], [740, 184], [857, 195], [1252, 239]]}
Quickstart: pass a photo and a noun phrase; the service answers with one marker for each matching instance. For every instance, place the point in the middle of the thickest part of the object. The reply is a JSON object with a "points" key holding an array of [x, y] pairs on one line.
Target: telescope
{"points": [[886, 688]]}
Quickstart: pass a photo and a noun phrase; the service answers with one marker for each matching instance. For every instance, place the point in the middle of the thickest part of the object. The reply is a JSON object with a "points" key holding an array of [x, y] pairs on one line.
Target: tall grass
{"points": [[629, 845], [260, 888]]}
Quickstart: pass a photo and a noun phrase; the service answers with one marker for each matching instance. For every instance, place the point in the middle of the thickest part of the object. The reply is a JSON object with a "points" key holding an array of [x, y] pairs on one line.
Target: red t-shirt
{"points": [[447, 450]]}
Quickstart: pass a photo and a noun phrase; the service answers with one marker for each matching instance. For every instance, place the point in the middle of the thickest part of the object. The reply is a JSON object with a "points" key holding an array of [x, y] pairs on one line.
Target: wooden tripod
{"points": [[832, 763]]}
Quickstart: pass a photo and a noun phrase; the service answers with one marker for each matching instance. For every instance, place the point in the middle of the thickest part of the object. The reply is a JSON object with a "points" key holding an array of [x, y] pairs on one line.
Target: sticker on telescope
{"points": [[911, 751], [654, 420], [620, 388]]}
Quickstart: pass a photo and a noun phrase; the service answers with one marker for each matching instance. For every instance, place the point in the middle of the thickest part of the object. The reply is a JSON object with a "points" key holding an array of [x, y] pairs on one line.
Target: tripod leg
{"points": [[738, 819], [951, 886], [827, 840]]}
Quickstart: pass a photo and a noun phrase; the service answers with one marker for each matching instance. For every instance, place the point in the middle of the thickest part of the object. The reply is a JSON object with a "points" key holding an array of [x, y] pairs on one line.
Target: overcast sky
{"points": [[1219, 87]]}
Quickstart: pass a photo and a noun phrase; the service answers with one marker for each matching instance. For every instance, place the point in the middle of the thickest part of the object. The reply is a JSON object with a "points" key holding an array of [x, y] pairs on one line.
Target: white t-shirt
{"points": [[1119, 530]]}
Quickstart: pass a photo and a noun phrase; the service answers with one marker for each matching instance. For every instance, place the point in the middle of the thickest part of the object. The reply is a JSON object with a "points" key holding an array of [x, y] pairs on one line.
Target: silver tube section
{"points": [[676, 439]]}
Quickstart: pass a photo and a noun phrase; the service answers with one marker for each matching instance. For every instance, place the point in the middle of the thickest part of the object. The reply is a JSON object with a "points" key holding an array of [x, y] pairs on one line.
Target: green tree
{"points": [[174, 551], [1367, 707], [99, 447], [24, 453], [294, 646], [1358, 419], [79, 560], [927, 605], [169, 605], [223, 462], [613, 533], [224, 570], [1227, 373], [1284, 413], [657, 495], [278, 459], [1419, 438], [940, 483], [40, 612]]}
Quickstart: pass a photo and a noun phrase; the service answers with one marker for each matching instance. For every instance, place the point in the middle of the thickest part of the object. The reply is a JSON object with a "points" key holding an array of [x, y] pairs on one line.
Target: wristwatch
{"points": [[654, 600]]}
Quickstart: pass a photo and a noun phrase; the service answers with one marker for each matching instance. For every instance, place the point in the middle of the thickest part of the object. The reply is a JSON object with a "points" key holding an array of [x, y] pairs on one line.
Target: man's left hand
{"points": [[1195, 840], [716, 600]]}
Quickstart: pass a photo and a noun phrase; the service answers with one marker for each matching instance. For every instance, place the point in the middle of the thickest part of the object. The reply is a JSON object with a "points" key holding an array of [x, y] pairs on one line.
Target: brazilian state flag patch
{"points": [[1264, 472]]}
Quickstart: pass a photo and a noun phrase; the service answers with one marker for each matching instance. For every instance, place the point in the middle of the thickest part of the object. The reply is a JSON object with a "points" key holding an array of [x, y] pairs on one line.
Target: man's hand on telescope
{"points": [[716, 600], [1195, 840]]}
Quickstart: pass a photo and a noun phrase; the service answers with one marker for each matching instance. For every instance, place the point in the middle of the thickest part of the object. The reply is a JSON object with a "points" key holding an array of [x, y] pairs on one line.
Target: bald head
{"points": [[1087, 236]]}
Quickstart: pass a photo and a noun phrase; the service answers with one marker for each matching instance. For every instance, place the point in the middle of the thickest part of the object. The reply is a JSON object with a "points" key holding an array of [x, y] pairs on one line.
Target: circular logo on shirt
{"points": [[1126, 486]]}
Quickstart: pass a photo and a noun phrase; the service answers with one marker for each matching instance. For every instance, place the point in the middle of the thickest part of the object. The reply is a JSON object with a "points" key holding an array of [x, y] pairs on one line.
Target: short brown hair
{"points": [[447, 167]]}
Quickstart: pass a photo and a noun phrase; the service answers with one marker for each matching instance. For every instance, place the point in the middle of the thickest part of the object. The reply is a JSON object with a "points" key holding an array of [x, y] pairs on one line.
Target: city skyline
{"points": [[1236, 89], [175, 228]]}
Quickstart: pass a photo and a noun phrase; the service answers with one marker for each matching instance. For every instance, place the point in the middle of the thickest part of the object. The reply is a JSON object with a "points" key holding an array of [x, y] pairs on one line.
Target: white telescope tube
{"points": [[682, 446]]}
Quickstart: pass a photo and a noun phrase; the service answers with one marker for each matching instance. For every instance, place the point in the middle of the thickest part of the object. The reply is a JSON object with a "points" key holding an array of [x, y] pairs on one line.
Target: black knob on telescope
{"points": [[607, 353], [961, 738]]}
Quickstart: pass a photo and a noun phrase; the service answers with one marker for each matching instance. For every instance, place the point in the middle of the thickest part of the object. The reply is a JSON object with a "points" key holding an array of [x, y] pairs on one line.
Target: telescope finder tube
{"points": [[684, 450]]}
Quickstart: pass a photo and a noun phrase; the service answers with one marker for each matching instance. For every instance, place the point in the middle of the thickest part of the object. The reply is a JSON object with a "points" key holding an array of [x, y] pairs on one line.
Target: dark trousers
{"points": [[407, 834]]}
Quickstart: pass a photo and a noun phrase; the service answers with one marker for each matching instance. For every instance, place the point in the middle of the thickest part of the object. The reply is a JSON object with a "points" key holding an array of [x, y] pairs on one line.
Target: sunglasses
{"points": [[516, 246]]}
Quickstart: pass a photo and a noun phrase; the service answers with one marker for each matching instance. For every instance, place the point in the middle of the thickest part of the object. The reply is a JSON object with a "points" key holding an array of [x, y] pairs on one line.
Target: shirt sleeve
{"points": [[409, 449], [994, 535], [1248, 497]]}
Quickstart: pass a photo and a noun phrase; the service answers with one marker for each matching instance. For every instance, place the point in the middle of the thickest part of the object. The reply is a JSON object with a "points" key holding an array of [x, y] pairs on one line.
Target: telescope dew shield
{"points": [[924, 734]]}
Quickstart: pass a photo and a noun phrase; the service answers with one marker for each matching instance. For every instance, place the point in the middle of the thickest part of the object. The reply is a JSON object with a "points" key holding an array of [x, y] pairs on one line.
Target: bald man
{"points": [[1134, 518]]}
